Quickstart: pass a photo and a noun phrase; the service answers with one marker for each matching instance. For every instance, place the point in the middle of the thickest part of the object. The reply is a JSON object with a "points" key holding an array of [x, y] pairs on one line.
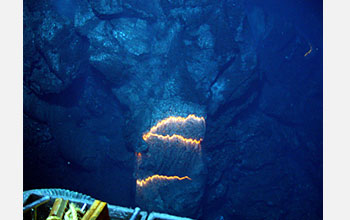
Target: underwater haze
{"points": [[203, 109]]}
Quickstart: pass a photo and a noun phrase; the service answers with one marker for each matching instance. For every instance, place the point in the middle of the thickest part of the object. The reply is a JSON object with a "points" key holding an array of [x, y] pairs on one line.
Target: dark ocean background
{"points": [[100, 73]]}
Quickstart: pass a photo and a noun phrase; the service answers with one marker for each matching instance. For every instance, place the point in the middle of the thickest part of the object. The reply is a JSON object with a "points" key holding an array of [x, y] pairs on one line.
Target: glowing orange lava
{"points": [[149, 179], [172, 119], [138, 157], [172, 137], [309, 51]]}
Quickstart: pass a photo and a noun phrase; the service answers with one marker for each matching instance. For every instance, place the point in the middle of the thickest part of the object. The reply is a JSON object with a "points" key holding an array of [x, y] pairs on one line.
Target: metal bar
{"points": [[135, 214], [83, 208], [36, 203], [35, 214], [162, 216]]}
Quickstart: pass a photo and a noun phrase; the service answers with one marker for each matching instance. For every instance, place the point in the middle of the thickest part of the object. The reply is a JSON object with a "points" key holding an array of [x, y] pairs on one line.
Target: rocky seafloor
{"points": [[98, 74]]}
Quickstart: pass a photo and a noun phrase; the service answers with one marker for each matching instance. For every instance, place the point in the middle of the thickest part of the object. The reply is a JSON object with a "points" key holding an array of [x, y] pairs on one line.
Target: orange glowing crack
{"points": [[172, 119], [149, 179], [171, 138], [307, 53], [138, 157]]}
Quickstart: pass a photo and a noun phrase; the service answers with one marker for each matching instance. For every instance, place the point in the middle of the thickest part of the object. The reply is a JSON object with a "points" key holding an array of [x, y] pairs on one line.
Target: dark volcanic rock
{"points": [[116, 45], [53, 52], [264, 172], [106, 7]]}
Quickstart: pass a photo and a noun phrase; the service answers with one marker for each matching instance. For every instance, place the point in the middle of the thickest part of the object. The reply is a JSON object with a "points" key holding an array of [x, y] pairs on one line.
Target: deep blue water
{"points": [[98, 74]]}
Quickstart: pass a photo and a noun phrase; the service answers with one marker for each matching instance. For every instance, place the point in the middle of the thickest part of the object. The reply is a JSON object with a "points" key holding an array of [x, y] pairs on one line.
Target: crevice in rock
{"points": [[253, 90], [126, 13], [222, 69], [48, 63], [70, 96], [107, 87], [281, 120]]}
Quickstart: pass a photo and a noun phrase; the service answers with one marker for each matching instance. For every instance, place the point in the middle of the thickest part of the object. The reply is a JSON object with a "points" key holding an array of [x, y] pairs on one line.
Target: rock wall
{"points": [[99, 74]]}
